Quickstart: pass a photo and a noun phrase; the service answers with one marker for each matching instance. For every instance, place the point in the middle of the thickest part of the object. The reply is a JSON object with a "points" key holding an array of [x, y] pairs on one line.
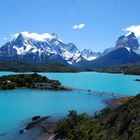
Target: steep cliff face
{"points": [[129, 41]]}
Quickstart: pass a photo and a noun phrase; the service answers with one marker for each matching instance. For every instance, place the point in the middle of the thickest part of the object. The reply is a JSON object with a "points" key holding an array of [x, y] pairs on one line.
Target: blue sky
{"points": [[98, 23]]}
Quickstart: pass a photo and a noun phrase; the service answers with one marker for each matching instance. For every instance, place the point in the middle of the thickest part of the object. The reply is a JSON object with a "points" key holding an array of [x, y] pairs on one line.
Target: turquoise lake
{"points": [[17, 106]]}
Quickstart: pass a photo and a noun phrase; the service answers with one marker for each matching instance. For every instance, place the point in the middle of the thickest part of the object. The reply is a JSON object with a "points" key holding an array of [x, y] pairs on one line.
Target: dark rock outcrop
{"points": [[36, 120]]}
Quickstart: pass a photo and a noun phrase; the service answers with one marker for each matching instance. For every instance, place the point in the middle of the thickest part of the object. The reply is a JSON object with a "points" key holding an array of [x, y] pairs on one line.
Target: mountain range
{"points": [[126, 50], [26, 47]]}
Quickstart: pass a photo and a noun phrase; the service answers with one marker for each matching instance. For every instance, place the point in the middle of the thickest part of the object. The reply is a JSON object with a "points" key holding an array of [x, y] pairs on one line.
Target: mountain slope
{"points": [[119, 56], [130, 41], [36, 48], [125, 51], [47, 48], [90, 55]]}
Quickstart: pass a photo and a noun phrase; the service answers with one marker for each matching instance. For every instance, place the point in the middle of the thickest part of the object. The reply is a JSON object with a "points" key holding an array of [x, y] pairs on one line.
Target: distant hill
{"points": [[36, 67], [133, 69], [56, 67]]}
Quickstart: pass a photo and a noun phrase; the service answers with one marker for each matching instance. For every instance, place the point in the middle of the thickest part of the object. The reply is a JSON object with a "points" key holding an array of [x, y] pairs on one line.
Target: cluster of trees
{"points": [[80, 126], [66, 127], [22, 80], [6, 85]]}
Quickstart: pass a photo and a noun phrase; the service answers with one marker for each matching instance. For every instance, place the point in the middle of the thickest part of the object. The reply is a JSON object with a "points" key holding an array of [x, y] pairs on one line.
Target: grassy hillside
{"points": [[35, 67], [113, 123]]}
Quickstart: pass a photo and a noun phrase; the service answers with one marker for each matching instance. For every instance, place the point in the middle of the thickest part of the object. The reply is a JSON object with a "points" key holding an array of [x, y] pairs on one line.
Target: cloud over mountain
{"points": [[35, 36], [134, 28]]}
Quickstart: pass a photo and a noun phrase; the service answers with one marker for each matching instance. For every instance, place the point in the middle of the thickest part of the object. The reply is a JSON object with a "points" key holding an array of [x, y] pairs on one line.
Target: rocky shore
{"points": [[114, 103]]}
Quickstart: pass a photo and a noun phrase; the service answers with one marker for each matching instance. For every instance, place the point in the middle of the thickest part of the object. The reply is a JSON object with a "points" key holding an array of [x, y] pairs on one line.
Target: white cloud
{"points": [[78, 26], [133, 28], [35, 36]]}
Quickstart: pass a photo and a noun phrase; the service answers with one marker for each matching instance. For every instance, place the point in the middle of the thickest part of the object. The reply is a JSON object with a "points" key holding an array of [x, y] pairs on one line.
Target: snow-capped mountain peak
{"points": [[40, 48], [34, 47], [129, 41], [89, 55]]}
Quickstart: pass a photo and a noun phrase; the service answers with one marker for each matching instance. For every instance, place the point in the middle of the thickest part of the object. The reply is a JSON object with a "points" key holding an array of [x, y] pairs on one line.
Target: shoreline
{"points": [[48, 126], [115, 102], [65, 89], [22, 72], [44, 125]]}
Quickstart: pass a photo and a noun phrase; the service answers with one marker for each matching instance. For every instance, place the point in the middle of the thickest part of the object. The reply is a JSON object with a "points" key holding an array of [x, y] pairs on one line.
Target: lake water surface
{"points": [[16, 106]]}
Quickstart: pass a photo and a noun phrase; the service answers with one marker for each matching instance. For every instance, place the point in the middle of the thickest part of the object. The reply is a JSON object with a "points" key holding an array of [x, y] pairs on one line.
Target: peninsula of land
{"points": [[35, 81]]}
